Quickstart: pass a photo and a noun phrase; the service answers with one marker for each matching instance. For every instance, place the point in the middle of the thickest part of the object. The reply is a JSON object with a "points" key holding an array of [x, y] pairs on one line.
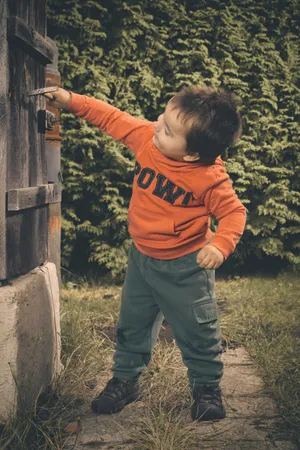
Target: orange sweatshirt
{"points": [[172, 201]]}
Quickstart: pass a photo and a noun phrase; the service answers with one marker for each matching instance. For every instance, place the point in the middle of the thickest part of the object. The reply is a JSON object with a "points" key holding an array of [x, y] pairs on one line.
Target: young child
{"points": [[179, 183]]}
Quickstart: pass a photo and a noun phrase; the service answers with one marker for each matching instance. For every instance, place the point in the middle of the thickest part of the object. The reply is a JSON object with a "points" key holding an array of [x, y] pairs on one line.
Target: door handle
{"points": [[42, 91]]}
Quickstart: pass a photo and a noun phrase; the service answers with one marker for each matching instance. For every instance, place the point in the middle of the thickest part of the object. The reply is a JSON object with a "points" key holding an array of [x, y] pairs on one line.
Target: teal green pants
{"points": [[182, 292]]}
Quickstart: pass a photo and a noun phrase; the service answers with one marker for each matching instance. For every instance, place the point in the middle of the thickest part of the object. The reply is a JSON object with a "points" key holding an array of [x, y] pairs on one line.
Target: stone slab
{"points": [[233, 381], [29, 338], [248, 445], [237, 356]]}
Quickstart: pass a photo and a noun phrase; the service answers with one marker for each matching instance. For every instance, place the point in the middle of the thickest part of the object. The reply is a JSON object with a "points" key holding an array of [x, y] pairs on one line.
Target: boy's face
{"points": [[170, 135]]}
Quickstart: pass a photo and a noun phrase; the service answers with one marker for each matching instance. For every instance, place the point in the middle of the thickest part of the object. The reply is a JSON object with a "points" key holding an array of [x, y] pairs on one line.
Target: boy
{"points": [[179, 183]]}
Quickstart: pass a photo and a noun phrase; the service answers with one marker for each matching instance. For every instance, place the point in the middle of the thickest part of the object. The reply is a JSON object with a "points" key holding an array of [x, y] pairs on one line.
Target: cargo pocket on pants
{"points": [[206, 336], [206, 312]]}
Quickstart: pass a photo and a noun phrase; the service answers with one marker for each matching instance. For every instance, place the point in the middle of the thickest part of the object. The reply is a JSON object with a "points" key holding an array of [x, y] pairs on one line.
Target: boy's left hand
{"points": [[210, 257]]}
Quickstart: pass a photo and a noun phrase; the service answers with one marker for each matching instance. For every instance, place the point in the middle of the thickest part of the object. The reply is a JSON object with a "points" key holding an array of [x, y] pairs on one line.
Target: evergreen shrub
{"points": [[136, 55]]}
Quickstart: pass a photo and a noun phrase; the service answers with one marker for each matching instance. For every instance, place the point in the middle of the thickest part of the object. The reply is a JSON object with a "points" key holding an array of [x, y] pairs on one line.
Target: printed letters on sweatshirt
{"points": [[163, 188]]}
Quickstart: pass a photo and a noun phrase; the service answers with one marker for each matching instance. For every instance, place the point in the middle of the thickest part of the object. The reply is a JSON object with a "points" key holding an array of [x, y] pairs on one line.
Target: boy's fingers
{"points": [[201, 258], [211, 265], [207, 261], [202, 255], [49, 96]]}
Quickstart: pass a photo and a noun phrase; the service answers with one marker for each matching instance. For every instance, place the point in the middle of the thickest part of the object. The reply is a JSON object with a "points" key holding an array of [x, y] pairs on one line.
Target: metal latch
{"points": [[46, 120], [42, 91]]}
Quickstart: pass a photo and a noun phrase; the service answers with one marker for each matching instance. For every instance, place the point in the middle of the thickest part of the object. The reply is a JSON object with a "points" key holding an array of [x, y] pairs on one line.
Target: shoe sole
{"points": [[119, 406], [207, 415]]}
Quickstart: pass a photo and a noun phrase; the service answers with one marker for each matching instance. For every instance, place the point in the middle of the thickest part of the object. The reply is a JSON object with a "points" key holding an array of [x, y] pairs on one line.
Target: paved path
{"points": [[250, 423]]}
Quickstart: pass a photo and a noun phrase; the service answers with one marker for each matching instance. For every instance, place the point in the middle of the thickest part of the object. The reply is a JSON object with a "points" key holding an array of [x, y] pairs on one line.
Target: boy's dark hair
{"points": [[216, 121]]}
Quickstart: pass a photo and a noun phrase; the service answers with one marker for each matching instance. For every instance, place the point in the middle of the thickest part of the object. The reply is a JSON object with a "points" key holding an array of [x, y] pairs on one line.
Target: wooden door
{"points": [[24, 189]]}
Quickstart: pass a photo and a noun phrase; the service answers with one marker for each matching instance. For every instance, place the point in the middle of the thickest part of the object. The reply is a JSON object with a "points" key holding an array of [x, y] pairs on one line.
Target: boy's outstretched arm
{"points": [[131, 131], [223, 203]]}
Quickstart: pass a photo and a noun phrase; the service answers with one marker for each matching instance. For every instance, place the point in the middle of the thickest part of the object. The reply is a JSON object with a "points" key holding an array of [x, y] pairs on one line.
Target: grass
{"points": [[261, 313], [38, 428], [264, 315], [161, 429]]}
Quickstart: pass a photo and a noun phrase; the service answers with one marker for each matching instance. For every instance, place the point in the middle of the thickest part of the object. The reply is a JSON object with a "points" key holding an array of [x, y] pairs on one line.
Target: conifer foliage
{"points": [[136, 55]]}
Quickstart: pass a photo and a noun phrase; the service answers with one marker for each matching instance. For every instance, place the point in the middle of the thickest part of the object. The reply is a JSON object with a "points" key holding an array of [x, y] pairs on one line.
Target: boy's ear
{"points": [[190, 157]]}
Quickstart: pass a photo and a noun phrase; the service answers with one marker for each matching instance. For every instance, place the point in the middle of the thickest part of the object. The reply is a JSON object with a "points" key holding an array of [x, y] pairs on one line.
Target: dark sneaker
{"points": [[207, 403], [115, 396]]}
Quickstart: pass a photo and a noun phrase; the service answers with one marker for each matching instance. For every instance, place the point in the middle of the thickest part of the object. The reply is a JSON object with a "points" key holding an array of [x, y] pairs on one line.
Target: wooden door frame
{"points": [[3, 133]]}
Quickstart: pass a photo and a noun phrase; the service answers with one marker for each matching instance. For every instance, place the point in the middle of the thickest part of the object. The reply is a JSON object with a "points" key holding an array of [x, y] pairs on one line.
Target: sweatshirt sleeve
{"points": [[131, 131], [225, 206]]}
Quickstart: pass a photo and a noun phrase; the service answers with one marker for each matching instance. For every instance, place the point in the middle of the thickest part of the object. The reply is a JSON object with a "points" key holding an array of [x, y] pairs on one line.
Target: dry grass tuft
{"points": [[161, 429]]}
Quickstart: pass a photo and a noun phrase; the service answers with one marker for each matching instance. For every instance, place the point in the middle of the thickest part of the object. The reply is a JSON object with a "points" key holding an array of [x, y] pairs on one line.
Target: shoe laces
{"points": [[117, 389], [208, 394]]}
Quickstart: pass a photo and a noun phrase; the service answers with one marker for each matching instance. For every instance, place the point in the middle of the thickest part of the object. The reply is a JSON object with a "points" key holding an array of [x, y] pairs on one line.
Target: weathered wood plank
{"points": [[27, 238], [37, 16], [37, 154], [37, 158], [18, 199], [19, 8], [18, 140], [3, 134], [22, 35]]}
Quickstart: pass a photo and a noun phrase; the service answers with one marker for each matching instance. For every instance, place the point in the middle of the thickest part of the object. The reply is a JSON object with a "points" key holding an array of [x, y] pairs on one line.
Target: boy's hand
{"points": [[59, 99], [210, 257]]}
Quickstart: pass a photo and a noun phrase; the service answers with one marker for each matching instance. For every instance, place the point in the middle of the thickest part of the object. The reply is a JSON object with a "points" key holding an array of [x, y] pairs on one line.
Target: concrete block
{"points": [[29, 338]]}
